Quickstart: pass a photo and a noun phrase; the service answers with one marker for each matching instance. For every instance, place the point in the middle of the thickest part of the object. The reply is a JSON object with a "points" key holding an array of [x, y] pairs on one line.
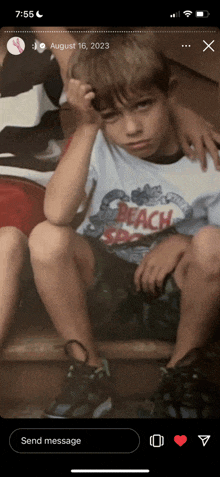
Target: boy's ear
{"points": [[173, 83]]}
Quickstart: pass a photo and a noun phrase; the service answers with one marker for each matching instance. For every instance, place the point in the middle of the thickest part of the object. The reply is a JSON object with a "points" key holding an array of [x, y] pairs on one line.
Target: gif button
{"points": [[77, 441]]}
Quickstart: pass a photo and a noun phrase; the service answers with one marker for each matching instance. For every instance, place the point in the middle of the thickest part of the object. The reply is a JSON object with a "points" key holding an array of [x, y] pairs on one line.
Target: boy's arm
{"points": [[66, 189], [160, 262]]}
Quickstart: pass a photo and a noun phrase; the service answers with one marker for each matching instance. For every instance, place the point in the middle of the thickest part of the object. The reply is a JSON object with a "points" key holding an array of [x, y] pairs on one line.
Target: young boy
{"points": [[152, 223]]}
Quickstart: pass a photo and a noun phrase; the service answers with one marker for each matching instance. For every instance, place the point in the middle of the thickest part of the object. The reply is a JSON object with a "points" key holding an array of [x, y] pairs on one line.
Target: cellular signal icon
{"points": [[174, 15]]}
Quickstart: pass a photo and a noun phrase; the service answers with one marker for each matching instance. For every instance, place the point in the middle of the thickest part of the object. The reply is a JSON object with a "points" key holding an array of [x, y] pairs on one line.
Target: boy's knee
{"points": [[13, 243], [206, 249], [48, 242]]}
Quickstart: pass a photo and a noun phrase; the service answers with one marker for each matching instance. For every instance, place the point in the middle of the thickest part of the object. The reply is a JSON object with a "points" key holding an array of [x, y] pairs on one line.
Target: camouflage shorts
{"points": [[117, 311]]}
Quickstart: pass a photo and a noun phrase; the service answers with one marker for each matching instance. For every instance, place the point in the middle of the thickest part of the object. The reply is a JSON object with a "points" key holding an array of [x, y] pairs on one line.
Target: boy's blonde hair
{"points": [[133, 63]]}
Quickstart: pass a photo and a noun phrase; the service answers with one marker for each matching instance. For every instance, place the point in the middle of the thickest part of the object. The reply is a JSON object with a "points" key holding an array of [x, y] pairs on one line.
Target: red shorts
{"points": [[21, 203]]}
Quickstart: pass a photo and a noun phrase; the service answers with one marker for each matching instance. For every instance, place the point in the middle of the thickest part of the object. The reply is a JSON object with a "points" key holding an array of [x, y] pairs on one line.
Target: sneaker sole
{"points": [[100, 411]]}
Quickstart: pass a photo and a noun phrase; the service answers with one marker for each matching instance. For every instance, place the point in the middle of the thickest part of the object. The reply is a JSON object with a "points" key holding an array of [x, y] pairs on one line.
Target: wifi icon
{"points": [[187, 13]]}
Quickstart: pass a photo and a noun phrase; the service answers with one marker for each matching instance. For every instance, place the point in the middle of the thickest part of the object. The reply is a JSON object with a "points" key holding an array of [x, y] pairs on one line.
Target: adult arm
{"points": [[196, 136], [57, 35]]}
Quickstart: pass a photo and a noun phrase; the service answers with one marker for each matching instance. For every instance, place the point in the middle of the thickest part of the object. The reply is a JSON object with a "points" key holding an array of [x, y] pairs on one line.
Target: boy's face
{"points": [[142, 125]]}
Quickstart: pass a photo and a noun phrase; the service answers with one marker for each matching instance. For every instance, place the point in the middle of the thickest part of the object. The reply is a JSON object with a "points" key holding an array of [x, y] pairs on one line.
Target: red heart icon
{"points": [[180, 440]]}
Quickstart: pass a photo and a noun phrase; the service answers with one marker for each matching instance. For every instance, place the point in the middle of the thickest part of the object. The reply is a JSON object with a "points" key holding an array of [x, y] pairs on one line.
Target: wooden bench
{"points": [[33, 363], [48, 346]]}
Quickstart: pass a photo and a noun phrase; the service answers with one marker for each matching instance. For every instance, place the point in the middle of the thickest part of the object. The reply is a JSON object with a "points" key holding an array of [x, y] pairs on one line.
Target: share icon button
{"points": [[204, 439]]}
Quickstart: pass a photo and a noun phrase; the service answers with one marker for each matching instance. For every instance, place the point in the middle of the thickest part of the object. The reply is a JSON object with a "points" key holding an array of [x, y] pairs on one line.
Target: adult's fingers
{"points": [[200, 153], [212, 149], [215, 136]]}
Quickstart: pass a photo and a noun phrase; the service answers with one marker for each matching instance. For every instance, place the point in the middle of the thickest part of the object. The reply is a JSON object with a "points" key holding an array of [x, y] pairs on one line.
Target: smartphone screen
{"points": [[109, 187]]}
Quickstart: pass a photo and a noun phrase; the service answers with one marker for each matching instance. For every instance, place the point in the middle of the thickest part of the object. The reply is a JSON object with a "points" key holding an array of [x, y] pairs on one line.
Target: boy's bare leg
{"points": [[63, 266], [198, 277], [13, 253]]}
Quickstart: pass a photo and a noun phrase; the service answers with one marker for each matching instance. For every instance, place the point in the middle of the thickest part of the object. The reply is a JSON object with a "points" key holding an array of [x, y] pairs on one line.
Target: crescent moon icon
{"points": [[38, 14]]}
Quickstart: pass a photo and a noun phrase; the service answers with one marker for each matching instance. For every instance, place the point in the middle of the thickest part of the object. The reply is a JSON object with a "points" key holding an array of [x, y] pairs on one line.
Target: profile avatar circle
{"points": [[15, 45]]}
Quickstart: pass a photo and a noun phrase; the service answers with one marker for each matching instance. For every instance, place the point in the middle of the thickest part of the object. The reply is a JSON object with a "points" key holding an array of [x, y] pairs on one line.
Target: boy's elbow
{"points": [[57, 218], [57, 221]]}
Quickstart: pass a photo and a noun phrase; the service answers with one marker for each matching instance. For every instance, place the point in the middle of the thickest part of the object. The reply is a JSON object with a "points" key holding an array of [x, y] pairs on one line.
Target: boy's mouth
{"points": [[138, 145]]}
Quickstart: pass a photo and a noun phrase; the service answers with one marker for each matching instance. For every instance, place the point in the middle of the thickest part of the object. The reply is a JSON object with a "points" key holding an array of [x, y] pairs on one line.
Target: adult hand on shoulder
{"points": [[193, 130], [79, 96]]}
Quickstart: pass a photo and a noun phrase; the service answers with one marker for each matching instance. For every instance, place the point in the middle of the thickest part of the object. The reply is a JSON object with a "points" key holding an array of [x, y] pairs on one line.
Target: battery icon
{"points": [[202, 13]]}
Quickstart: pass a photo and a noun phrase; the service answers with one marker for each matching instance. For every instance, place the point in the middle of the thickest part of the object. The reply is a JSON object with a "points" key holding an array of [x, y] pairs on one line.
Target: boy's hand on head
{"points": [[80, 95], [158, 263]]}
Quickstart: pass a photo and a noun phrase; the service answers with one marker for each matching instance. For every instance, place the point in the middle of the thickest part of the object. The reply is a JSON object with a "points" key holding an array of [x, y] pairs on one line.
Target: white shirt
{"points": [[135, 198]]}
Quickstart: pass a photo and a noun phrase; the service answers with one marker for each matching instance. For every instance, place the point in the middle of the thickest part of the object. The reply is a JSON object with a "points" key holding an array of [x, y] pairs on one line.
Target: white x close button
{"points": [[208, 45]]}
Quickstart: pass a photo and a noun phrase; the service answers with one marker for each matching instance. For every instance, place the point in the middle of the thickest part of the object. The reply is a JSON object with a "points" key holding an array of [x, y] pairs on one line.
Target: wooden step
{"points": [[46, 345], [33, 368]]}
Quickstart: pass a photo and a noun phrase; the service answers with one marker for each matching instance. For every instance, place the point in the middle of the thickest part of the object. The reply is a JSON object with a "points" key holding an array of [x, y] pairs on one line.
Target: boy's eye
{"points": [[144, 104], [113, 115], [110, 116]]}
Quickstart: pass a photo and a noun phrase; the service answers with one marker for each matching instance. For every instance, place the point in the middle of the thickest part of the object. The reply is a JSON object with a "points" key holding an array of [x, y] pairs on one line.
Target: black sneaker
{"points": [[86, 393], [184, 393]]}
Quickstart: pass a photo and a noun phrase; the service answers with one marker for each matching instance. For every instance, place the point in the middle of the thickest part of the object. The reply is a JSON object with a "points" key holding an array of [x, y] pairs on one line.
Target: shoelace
{"points": [[79, 365], [70, 342]]}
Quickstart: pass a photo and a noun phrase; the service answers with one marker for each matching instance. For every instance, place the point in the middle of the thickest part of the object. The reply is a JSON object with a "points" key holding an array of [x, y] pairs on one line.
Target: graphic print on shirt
{"points": [[122, 219]]}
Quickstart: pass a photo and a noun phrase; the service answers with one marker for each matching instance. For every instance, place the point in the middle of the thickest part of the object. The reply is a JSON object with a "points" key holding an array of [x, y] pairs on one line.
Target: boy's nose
{"points": [[133, 125]]}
